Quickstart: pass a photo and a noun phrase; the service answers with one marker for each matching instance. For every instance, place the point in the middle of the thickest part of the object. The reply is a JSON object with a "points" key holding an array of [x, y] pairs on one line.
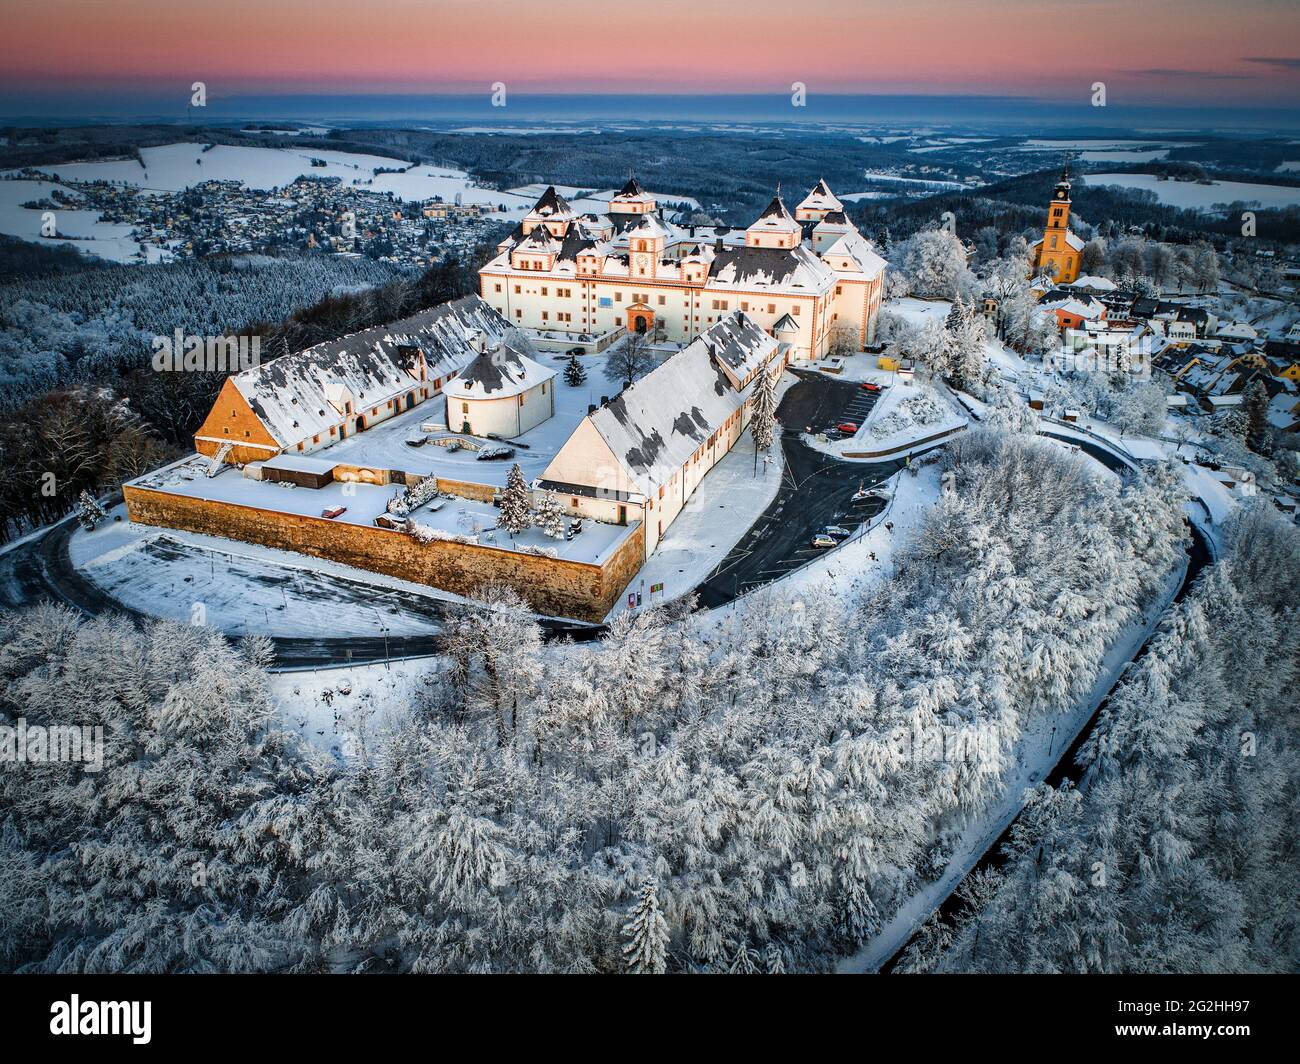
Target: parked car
{"points": [[491, 454], [416, 439], [334, 511], [836, 532], [867, 386], [822, 540], [847, 426]]}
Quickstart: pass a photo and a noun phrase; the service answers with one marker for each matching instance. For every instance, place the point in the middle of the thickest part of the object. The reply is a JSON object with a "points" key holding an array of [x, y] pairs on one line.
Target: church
{"points": [[1059, 252], [809, 279]]}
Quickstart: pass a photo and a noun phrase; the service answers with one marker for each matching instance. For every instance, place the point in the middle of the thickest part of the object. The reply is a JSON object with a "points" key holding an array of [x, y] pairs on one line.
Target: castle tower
{"points": [[1060, 251], [775, 227]]}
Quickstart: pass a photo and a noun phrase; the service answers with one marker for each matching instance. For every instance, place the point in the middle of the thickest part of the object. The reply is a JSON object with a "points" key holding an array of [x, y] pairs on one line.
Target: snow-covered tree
{"points": [[645, 934], [89, 512], [1259, 432], [550, 516], [762, 415], [574, 372], [516, 514], [934, 263]]}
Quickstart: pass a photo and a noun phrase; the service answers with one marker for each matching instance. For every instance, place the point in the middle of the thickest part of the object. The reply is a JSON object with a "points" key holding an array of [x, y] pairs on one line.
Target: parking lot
{"points": [[816, 490], [860, 403]]}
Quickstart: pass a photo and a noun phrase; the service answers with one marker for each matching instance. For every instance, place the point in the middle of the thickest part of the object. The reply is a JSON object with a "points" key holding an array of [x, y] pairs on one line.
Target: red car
{"points": [[334, 511], [847, 426], [869, 387]]}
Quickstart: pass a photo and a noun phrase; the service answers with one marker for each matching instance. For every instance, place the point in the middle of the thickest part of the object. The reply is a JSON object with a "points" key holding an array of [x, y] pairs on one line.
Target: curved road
{"points": [[816, 491]]}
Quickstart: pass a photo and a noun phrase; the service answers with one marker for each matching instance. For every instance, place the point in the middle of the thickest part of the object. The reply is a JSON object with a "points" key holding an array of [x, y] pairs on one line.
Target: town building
{"points": [[632, 268], [304, 402]]}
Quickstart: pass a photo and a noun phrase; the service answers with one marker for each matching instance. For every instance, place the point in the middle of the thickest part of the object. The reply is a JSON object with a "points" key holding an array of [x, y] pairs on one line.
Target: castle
{"points": [[803, 278]]}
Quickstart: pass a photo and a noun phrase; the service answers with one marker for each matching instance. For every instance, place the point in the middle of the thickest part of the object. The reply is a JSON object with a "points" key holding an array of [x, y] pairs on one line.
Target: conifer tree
{"points": [[89, 512], [550, 517], [646, 934], [574, 374], [762, 421], [1259, 435], [516, 503]]}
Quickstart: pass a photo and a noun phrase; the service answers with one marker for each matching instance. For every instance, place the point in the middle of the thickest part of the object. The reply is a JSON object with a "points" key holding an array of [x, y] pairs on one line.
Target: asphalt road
{"points": [[816, 491]]}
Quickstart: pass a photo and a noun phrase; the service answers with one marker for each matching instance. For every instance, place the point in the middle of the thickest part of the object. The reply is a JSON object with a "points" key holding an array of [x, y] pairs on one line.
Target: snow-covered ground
{"points": [[108, 240], [1192, 195], [175, 167], [243, 588], [339, 710], [906, 414]]}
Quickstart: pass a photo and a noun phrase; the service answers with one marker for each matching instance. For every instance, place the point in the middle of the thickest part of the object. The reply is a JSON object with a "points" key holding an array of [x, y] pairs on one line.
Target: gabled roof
{"points": [[747, 267], [858, 248], [293, 395], [659, 421]]}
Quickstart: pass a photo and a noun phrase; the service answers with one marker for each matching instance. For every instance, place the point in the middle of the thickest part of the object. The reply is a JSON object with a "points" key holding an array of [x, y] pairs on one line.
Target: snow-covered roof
{"points": [[295, 396], [551, 205], [858, 248], [787, 268], [632, 192], [1096, 284], [658, 422], [776, 219], [821, 199], [496, 374]]}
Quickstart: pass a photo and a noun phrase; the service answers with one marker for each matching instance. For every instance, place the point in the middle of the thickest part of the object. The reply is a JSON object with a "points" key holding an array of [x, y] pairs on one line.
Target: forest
{"points": [[1177, 851], [694, 793]]}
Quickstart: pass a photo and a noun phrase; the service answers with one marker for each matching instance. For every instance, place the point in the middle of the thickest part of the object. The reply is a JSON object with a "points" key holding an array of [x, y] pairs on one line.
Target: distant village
{"points": [[311, 213]]}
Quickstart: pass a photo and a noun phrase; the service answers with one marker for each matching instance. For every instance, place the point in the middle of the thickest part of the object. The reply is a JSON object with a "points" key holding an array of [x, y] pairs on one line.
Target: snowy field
{"points": [[176, 167], [244, 588], [338, 711], [1191, 195], [107, 240]]}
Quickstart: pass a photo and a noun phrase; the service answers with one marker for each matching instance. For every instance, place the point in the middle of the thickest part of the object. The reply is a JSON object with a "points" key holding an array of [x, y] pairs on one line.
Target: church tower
{"points": [[1060, 251]]}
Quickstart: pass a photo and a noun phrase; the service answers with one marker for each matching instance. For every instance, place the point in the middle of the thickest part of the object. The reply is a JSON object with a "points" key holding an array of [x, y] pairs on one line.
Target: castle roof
{"points": [[776, 218], [552, 205], [497, 374], [294, 396], [659, 421], [749, 267], [821, 199]]}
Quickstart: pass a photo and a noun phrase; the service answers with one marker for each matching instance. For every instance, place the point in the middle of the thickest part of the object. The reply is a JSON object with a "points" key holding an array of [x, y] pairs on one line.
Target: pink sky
{"points": [[1177, 51]]}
